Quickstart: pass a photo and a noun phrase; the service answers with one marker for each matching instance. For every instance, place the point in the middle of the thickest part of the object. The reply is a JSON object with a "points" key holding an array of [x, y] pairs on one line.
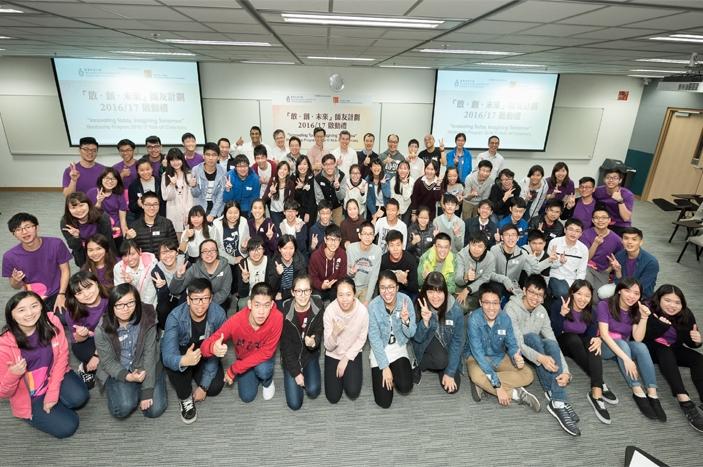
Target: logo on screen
{"points": [[81, 72], [147, 73]]}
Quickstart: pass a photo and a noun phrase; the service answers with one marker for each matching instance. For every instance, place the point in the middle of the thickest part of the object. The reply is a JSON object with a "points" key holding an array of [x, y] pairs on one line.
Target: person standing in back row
{"points": [[83, 176], [493, 156]]}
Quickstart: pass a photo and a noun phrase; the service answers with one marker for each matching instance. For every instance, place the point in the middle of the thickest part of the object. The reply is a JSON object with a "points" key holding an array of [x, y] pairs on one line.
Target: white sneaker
{"points": [[269, 391]]}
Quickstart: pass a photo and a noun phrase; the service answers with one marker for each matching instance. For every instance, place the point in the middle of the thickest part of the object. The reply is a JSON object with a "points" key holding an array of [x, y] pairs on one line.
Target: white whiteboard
{"points": [[573, 133], [34, 125]]}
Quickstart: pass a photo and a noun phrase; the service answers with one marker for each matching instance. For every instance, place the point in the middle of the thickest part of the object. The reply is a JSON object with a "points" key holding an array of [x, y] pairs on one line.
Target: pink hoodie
{"points": [[13, 387]]}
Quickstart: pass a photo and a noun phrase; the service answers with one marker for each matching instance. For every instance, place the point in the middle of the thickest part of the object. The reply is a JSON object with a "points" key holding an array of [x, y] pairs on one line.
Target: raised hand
{"points": [[404, 314], [337, 327], [299, 184], [72, 231], [617, 196], [240, 141], [644, 310], [243, 268], [310, 341], [519, 360], [336, 182], [565, 309], [269, 231], [192, 181], [17, 275], [327, 284], [508, 194], [313, 242], [73, 172], [19, 367], [181, 270], [598, 240], [415, 239], [219, 349], [441, 145], [456, 228], [279, 268], [158, 281], [614, 263], [125, 172], [402, 276], [435, 231], [425, 312], [352, 269], [100, 197], [190, 233], [695, 334], [228, 184], [470, 275]]}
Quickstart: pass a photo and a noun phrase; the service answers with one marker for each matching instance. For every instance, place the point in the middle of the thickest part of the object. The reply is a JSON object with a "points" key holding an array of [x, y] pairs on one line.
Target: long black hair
{"points": [[76, 283], [614, 301], [435, 281], [110, 321], [110, 260], [45, 329], [587, 312], [684, 318], [175, 153], [396, 186]]}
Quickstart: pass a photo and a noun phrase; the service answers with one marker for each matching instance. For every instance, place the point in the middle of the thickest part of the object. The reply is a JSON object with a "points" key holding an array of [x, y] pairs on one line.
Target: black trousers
{"points": [[350, 382], [436, 359], [576, 347], [402, 381], [671, 358], [183, 382], [85, 350]]}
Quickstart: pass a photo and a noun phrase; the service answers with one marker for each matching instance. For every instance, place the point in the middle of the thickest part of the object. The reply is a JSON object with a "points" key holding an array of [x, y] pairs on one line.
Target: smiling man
{"points": [[83, 176]]}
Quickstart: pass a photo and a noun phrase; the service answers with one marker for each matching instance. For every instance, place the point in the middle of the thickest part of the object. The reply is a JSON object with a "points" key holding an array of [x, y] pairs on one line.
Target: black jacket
{"points": [[683, 326], [300, 266], [294, 353], [78, 247], [149, 238], [135, 191], [501, 208]]}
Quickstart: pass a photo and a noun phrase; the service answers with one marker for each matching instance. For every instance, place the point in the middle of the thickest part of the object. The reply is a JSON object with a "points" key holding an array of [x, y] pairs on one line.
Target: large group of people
{"points": [[443, 262]]}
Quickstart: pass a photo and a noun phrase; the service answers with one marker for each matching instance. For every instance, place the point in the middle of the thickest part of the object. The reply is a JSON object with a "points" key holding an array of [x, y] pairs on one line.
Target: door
{"points": [[678, 165]]}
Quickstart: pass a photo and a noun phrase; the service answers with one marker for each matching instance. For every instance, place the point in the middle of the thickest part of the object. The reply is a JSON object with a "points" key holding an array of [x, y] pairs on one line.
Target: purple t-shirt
{"points": [[601, 194], [564, 190], [577, 326], [39, 359], [112, 205], [85, 231], [611, 245], [584, 213], [90, 321], [88, 178], [623, 326], [197, 159], [126, 181], [668, 338], [156, 167], [629, 267], [40, 267], [100, 274]]}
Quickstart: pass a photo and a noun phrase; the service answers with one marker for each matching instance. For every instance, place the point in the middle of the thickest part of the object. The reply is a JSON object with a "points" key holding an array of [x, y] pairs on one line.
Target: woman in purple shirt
{"points": [[576, 331], [672, 334], [81, 220], [86, 301], [108, 196], [622, 322], [559, 185]]}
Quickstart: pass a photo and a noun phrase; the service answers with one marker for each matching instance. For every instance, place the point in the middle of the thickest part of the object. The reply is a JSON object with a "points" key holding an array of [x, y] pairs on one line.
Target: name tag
{"points": [[515, 261], [306, 188], [449, 322], [323, 184], [501, 332], [155, 233], [248, 188], [220, 274], [123, 337]]}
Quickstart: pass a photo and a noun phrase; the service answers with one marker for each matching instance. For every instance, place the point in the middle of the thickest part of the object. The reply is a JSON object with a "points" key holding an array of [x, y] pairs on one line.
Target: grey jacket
{"points": [[535, 322], [485, 267], [221, 280], [508, 271]]}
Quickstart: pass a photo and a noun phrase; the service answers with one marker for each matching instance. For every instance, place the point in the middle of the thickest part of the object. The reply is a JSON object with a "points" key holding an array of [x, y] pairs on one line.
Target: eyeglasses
{"points": [[258, 249], [125, 305], [153, 146], [387, 288], [150, 205], [302, 291], [535, 294], [109, 179], [208, 251], [89, 150], [200, 300], [333, 239], [24, 228], [612, 178], [601, 218]]}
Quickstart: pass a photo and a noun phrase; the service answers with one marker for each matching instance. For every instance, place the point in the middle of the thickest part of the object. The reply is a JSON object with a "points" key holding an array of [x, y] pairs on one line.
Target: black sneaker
{"points": [[528, 399], [645, 407], [695, 419], [657, 408], [88, 377], [608, 395], [188, 413], [476, 392], [599, 408], [572, 412], [565, 420], [417, 375]]}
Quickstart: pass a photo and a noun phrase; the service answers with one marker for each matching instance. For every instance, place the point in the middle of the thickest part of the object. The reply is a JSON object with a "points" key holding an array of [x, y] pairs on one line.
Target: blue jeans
{"points": [[639, 353], [248, 382], [311, 374], [62, 420], [558, 288], [546, 378], [123, 397]]}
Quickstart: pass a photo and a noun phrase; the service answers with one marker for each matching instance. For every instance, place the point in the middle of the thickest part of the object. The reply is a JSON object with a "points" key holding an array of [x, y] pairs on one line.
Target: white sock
{"points": [[558, 404], [643, 396], [515, 395]]}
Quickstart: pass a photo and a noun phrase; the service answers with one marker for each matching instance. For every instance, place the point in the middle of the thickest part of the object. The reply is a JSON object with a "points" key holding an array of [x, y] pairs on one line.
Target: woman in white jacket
{"points": [[402, 189], [231, 233], [136, 268], [357, 188], [175, 190]]}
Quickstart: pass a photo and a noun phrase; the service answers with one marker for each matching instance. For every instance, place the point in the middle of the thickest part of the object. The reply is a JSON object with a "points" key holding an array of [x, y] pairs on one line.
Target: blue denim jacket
{"points": [[371, 207], [199, 191], [451, 336], [489, 345], [177, 334], [380, 326]]}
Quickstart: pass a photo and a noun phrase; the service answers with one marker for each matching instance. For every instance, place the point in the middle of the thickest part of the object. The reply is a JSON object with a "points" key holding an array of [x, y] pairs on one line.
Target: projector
{"points": [[690, 82]]}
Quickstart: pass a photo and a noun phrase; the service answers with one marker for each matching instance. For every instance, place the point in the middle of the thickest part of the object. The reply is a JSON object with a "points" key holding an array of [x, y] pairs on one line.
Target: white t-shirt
{"points": [[498, 162], [347, 158], [382, 228], [264, 177], [277, 154]]}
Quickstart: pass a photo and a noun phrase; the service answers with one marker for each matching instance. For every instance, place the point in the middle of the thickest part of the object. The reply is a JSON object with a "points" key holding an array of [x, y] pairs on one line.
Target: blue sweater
{"points": [[244, 191], [521, 225], [450, 334], [177, 334]]}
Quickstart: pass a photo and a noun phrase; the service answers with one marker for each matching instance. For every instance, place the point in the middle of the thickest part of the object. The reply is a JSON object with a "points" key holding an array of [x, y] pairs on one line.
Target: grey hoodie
{"points": [[508, 271], [535, 322], [221, 280], [485, 267]]}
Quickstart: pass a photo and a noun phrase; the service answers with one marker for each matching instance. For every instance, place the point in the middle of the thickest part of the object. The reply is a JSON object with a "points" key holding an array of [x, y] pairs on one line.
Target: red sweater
{"points": [[320, 268], [251, 347]]}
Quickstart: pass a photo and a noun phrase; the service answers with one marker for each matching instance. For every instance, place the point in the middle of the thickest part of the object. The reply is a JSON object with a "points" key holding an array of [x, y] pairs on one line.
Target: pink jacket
{"points": [[13, 387]]}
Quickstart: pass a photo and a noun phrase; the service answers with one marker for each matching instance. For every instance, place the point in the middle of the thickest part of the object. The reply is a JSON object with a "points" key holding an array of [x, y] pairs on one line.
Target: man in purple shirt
{"points": [[154, 154], [37, 263], [581, 208], [602, 243], [126, 167], [83, 175], [618, 200], [193, 158]]}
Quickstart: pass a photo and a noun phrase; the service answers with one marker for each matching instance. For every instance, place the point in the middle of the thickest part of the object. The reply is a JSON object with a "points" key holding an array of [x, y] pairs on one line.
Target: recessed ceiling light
{"points": [[644, 76], [350, 59], [135, 52], [657, 71], [665, 60], [511, 65], [263, 62], [467, 52], [699, 40], [360, 21], [10, 10], [204, 42], [5, 37], [406, 66]]}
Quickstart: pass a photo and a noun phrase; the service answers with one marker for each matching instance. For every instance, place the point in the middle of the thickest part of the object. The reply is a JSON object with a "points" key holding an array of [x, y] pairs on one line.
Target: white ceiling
{"points": [[565, 36]]}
